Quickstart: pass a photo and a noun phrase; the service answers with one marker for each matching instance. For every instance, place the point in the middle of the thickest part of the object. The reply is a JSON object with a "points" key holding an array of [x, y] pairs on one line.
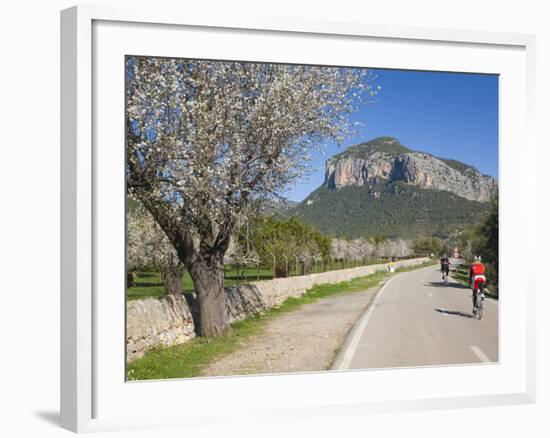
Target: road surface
{"points": [[416, 321]]}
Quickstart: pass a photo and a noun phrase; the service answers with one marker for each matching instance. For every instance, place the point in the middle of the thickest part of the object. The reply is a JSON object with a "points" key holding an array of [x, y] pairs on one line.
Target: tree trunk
{"points": [[208, 280], [130, 282], [280, 271], [306, 267], [172, 279], [193, 304], [171, 273]]}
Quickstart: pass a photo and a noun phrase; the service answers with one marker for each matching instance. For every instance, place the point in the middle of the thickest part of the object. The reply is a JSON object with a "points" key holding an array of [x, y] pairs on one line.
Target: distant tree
{"points": [[363, 249], [148, 248], [486, 245], [240, 253], [377, 239], [285, 242], [208, 141], [342, 249], [488, 234], [464, 240], [398, 248], [428, 245]]}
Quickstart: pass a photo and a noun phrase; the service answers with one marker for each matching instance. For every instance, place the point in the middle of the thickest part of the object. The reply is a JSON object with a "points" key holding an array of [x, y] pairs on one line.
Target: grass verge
{"points": [[189, 359], [149, 284]]}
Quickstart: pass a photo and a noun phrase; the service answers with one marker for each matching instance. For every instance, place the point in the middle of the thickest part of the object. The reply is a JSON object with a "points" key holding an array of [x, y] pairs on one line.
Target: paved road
{"points": [[416, 321]]}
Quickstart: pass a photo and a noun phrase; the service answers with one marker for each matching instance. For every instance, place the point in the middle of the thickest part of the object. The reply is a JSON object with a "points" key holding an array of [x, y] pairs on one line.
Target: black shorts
{"points": [[445, 269]]}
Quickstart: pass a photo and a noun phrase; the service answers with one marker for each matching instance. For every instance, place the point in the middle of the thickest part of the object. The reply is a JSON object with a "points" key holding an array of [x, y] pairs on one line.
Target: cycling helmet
{"points": [[477, 258]]}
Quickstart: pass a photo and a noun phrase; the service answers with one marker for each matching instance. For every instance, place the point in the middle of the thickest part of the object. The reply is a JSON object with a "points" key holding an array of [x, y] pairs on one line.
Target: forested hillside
{"points": [[393, 209]]}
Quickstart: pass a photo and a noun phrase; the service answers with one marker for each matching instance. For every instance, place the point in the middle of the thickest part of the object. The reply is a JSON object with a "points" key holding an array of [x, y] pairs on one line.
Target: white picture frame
{"points": [[85, 373]]}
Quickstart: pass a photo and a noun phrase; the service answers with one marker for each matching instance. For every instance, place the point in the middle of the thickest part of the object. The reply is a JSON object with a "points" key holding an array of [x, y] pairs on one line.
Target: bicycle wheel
{"points": [[479, 305]]}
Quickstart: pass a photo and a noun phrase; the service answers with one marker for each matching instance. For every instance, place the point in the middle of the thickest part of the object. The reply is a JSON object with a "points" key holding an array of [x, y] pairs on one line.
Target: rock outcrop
{"points": [[386, 160]]}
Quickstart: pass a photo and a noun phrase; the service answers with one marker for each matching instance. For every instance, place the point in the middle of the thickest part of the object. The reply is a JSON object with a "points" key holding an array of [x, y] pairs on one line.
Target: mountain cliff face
{"points": [[385, 160], [382, 187]]}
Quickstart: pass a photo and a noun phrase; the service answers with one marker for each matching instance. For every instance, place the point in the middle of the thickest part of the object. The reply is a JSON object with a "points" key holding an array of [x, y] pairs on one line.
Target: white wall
{"points": [[29, 235]]}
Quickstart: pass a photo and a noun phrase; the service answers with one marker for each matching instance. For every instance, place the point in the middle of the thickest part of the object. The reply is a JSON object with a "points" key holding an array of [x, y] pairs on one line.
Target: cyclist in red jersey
{"points": [[477, 274]]}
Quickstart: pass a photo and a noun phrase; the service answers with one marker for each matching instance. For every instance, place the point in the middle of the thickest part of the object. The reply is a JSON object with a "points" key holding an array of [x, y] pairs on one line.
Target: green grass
{"points": [[149, 284], [189, 359]]}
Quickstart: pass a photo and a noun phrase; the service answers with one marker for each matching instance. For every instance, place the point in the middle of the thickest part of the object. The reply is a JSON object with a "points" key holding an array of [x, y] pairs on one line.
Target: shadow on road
{"points": [[454, 312], [442, 284]]}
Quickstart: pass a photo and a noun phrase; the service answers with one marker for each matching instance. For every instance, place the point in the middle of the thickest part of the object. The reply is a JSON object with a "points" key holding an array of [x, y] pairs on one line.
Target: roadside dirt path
{"points": [[306, 339]]}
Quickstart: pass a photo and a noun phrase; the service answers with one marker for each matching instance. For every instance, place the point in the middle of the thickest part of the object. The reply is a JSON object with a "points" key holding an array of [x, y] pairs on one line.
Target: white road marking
{"points": [[352, 347], [480, 353]]}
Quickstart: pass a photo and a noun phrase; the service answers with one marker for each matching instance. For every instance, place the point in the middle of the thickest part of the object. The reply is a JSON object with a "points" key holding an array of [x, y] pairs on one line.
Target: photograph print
{"points": [[286, 218]]}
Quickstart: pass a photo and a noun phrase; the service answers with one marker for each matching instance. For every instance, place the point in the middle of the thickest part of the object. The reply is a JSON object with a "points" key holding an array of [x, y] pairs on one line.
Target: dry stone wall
{"points": [[168, 321], [157, 321]]}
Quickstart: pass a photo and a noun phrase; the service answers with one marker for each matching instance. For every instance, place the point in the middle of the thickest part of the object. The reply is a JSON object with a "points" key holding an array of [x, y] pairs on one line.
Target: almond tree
{"points": [[208, 141], [147, 247], [362, 249]]}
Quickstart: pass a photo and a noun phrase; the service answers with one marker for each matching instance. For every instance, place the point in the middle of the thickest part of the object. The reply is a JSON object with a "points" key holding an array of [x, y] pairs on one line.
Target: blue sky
{"points": [[450, 115]]}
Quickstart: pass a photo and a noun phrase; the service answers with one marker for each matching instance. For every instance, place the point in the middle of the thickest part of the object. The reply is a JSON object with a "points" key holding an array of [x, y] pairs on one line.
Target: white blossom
{"points": [[363, 249], [147, 245], [217, 138]]}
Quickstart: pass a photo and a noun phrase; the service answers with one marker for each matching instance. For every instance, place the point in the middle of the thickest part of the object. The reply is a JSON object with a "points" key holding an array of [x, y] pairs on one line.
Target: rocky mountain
{"points": [[386, 160], [382, 187]]}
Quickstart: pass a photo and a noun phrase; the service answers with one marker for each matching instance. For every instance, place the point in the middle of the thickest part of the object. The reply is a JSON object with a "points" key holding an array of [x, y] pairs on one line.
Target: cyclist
{"points": [[444, 261], [477, 276]]}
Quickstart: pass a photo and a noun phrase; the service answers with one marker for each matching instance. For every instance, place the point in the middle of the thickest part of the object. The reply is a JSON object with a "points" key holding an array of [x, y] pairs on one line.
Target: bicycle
{"points": [[445, 275], [480, 298]]}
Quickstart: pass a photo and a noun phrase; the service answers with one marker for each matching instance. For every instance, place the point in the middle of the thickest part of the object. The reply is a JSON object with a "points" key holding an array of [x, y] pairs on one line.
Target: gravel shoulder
{"points": [[306, 339]]}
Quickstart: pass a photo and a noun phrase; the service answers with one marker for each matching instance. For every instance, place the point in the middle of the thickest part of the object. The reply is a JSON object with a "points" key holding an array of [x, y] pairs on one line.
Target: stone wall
{"points": [[157, 321], [168, 320]]}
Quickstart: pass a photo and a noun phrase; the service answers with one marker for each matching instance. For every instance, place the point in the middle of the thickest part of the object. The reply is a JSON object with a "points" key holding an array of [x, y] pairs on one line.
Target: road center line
{"points": [[351, 348], [480, 353]]}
